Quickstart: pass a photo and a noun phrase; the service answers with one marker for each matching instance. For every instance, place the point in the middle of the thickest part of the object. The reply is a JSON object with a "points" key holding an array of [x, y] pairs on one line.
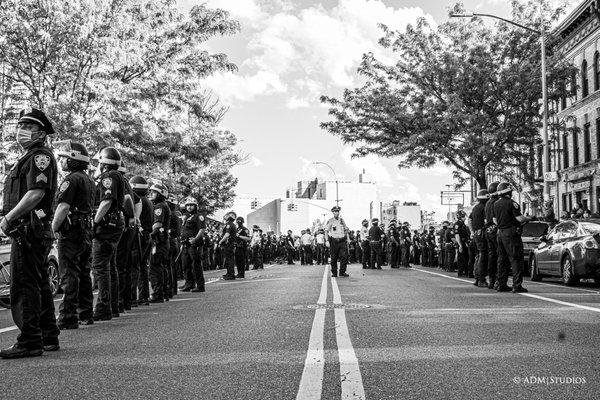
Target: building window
{"points": [[597, 137], [563, 98], [587, 143], [584, 79], [564, 202], [540, 161], [575, 148], [565, 147], [597, 71], [597, 199], [574, 85]]}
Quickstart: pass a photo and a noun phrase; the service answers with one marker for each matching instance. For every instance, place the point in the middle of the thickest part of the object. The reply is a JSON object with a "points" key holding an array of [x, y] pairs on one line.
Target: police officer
{"points": [[227, 244], [336, 239], [508, 218], [159, 258], [306, 241], [256, 244], [405, 241], [192, 236], [72, 225], [364, 243], [125, 246], [416, 246], [461, 235], [174, 246], [477, 224], [109, 224], [394, 239], [442, 239], [242, 239], [140, 256], [29, 191], [289, 247], [431, 245], [491, 234], [321, 249], [449, 241], [376, 236]]}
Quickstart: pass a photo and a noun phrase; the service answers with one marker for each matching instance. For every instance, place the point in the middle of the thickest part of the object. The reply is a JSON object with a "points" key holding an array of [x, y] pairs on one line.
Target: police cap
{"points": [[504, 188], [335, 208], [37, 117], [492, 188], [160, 189], [71, 150], [139, 182], [375, 220], [483, 194], [190, 201], [110, 156]]}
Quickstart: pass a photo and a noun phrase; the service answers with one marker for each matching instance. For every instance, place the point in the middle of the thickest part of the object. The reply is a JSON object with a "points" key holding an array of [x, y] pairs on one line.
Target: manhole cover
{"points": [[334, 306]]}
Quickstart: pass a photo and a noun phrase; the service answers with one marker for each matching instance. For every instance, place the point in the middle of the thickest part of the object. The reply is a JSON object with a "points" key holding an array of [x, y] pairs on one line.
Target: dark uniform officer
{"points": [[241, 246], [192, 238], [125, 246], [416, 246], [336, 238], [159, 258], [227, 245], [109, 224], [142, 244], [174, 246], [376, 236], [405, 241], [442, 256], [507, 215], [29, 191], [461, 235], [431, 245], [450, 250], [394, 239], [477, 222], [491, 234], [72, 225]]}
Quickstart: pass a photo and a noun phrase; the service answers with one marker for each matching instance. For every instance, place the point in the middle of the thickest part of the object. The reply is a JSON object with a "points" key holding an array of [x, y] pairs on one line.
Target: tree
{"points": [[126, 73], [464, 94]]}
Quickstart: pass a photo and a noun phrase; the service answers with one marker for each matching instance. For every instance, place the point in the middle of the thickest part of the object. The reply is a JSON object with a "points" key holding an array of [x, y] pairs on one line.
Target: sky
{"points": [[289, 53]]}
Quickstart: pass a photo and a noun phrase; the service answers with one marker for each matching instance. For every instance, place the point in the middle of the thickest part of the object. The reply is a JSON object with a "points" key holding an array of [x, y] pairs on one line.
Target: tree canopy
{"points": [[127, 73], [465, 93]]}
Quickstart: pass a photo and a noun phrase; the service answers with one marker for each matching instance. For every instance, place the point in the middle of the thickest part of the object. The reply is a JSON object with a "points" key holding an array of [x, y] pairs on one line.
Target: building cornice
{"points": [[578, 25]]}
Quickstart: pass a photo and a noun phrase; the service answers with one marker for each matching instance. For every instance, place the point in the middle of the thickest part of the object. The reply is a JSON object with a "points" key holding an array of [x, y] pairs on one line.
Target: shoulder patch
{"points": [[63, 186], [107, 182], [42, 161], [515, 205], [158, 212], [201, 217]]}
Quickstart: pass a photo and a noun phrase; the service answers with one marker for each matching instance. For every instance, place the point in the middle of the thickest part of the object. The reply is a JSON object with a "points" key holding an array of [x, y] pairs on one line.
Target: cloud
{"points": [[257, 162], [307, 51], [296, 102]]}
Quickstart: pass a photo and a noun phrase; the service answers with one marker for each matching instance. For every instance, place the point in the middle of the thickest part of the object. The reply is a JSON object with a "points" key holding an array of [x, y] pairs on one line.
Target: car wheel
{"points": [[53, 277], [535, 274], [568, 274]]}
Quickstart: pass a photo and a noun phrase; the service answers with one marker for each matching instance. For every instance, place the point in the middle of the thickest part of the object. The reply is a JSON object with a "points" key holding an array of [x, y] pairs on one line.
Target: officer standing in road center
{"points": [[508, 218], [336, 238], [29, 191], [72, 225]]}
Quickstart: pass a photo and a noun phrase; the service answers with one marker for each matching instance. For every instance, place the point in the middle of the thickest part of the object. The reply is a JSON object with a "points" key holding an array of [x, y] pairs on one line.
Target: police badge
{"points": [[41, 161], [158, 212], [107, 182]]}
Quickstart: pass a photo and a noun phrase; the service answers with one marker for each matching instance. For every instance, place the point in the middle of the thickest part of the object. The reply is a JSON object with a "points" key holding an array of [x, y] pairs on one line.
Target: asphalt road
{"points": [[292, 332]]}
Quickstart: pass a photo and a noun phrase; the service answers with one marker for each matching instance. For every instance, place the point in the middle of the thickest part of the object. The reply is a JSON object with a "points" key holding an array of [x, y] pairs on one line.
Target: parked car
{"points": [[571, 251], [51, 264], [532, 232]]}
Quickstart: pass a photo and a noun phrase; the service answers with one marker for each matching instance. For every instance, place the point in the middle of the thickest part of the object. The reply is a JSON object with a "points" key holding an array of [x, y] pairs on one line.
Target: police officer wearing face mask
{"points": [[29, 191], [508, 218], [227, 244], [192, 236], [140, 283], [477, 223], [109, 224], [72, 225], [159, 259], [174, 246]]}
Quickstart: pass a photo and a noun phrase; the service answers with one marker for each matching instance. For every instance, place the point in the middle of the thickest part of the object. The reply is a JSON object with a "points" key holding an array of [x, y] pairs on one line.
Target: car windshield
{"points": [[590, 228], [535, 230]]}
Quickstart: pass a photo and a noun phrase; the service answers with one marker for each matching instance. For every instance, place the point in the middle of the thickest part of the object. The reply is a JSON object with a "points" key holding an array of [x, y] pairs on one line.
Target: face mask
{"points": [[24, 137]]}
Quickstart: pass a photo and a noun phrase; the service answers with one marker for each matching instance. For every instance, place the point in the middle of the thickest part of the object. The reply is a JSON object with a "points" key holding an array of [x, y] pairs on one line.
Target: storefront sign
{"points": [[581, 185], [551, 176]]}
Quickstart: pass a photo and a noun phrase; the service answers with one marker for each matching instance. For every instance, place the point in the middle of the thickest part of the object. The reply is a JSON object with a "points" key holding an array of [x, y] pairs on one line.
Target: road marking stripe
{"points": [[564, 303], [352, 384], [311, 383]]}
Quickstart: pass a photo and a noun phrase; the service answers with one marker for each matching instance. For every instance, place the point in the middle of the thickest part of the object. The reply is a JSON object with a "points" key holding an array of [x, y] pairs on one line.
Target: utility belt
{"points": [[27, 229], [492, 229], [513, 229], [337, 240], [112, 219]]}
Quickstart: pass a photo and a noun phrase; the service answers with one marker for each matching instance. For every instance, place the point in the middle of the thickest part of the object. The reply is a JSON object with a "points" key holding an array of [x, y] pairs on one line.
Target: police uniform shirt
{"points": [[477, 216], [489, 211], [77, 190], [364, 233], [320, 238], [461, 230], [431, 239], [110, 187], [506, 212], [147, 215], [375, 233], [229, 228], [162, 215], [307, 239], [37, 169], [336, 228], [448, 235], [405, 234], [192, 223], [243, 231]]}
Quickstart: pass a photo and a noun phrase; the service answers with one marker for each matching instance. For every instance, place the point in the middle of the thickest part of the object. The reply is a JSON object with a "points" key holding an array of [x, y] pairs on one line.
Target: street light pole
{"points": [[337, 199], [542, 35]]}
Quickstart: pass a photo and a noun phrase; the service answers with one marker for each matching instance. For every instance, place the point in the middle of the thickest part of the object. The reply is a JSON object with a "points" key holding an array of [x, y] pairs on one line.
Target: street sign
{"points": [[452, 198], [551, 176]]}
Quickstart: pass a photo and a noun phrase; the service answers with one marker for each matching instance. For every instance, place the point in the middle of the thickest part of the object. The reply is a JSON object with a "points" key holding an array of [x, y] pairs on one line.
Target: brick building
{"points": [[575, 156]]}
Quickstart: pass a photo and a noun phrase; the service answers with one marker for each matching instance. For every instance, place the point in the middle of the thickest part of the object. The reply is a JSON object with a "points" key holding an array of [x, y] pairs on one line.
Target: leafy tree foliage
{"points": [[465, 93], [127, 73]]}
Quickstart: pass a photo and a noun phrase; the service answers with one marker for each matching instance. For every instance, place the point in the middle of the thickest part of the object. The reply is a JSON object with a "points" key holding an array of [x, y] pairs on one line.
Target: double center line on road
{"points": [[311, 383]]}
